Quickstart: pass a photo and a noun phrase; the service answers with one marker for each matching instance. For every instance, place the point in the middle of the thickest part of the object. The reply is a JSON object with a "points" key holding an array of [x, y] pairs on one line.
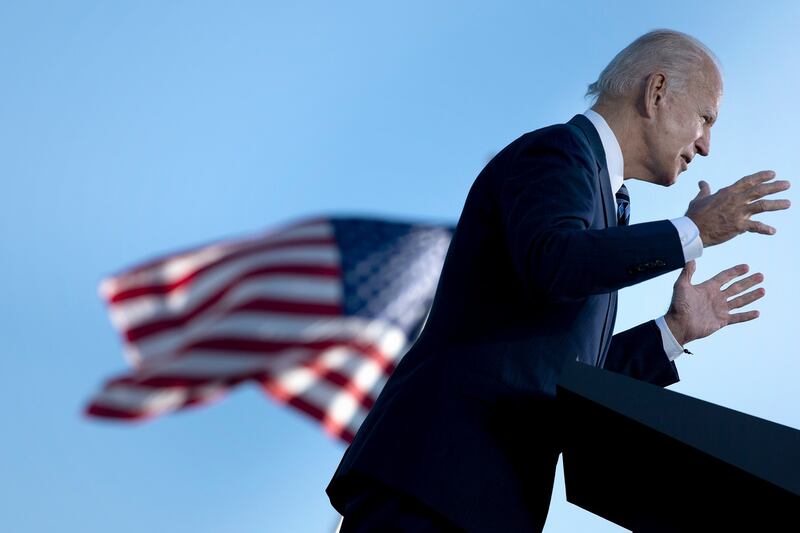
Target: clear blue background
{"points": [[129, 129]]}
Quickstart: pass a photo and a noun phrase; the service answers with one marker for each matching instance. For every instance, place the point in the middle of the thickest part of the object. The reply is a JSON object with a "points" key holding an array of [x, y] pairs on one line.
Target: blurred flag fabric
{"points": [[317, 313]]}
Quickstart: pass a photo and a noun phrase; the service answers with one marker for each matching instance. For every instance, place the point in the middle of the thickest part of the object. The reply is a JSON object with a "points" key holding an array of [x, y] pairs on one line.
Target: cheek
{"points": [[676, 136], [693, 135], [692, 130]]}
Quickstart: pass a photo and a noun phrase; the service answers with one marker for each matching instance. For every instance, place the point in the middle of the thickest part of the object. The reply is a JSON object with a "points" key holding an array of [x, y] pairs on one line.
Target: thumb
{"points": [[705, 190], [688, 272]]}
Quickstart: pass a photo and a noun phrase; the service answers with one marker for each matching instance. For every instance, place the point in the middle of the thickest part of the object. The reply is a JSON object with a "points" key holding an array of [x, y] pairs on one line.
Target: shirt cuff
{"points": [[672, 348], [690, 238]]}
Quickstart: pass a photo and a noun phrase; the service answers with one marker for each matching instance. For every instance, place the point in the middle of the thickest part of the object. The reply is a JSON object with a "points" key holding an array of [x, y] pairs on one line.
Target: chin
{"points": [[671, 178], [665, 180]]}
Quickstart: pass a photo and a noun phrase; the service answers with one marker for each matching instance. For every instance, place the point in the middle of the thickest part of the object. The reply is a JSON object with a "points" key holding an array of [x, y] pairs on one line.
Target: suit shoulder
{"points": [[561, 137], [559, 144]]}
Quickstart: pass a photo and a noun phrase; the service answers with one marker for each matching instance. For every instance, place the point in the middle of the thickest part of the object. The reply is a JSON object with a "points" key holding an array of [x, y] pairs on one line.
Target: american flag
{"points": [[318, 313]]}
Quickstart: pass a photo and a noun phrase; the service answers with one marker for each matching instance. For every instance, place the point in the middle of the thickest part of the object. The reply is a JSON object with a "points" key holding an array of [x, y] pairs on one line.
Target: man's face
{"points": [[682, 127]]}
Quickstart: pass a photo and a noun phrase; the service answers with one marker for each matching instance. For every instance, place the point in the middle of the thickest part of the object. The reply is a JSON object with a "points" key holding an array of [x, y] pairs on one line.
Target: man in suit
{"points": [[464, 435]]}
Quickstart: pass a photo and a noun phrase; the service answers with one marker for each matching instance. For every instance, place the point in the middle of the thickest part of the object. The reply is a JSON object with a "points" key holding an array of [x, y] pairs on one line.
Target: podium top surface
{"points": [[765, 449]]}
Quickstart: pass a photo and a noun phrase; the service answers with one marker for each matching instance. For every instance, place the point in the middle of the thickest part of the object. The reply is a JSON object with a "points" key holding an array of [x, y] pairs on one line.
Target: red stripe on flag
{"points": [[346, 435], [151, 328], [167, 380], [320, 414], [102, 411]]}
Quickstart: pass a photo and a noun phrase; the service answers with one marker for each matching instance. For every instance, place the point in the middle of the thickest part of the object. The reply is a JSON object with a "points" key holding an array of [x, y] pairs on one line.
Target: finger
{"points": [[705, 189], [759, 206], [688, 272], [735, 318], [727, 275], [743, 285], [752, 180], [768, 188], [745, 299], [754, 226]]}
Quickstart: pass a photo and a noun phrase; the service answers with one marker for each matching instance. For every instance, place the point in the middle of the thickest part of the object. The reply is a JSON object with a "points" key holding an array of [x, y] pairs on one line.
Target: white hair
{"points": [[678, 55]]}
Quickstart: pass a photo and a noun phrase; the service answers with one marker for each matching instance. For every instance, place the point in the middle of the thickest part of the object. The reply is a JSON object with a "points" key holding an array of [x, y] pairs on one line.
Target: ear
{"points": [[655, 88]]}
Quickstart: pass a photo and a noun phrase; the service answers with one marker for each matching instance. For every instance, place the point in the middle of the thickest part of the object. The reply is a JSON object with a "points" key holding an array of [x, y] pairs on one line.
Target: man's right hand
{"points": [[726, 213]]}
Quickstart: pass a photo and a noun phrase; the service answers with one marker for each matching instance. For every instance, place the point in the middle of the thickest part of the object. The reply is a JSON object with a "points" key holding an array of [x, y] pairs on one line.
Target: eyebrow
{"points": [[709, 113]]}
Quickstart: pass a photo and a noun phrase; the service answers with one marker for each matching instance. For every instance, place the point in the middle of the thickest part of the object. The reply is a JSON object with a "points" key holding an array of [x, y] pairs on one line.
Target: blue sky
{"points": [[130, 129]]}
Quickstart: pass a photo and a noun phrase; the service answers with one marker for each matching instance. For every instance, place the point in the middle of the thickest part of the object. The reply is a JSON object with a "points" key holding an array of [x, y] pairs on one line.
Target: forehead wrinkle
{"points": [[709, 91], [712, 80]]}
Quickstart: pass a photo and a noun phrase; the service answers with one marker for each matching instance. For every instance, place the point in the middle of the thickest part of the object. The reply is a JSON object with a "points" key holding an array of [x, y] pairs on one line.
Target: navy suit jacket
{"points": [[530, 282]]}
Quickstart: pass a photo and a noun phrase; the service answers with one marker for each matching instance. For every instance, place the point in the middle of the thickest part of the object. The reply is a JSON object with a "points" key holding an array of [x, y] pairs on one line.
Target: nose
{"points": [[702, 145]]}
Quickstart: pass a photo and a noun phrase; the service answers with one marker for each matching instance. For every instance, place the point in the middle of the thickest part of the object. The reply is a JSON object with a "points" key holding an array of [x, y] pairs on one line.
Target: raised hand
{"points": [[726, 213], [697, 311]]}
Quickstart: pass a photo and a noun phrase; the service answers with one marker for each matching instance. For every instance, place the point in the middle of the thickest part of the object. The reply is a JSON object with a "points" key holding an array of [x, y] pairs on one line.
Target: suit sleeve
{"points": [[548, 203], [639, 353]]}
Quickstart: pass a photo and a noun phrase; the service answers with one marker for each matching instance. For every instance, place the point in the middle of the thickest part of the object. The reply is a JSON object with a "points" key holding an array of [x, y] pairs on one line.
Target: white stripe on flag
{"points": [[272, 326], [338, 403]]}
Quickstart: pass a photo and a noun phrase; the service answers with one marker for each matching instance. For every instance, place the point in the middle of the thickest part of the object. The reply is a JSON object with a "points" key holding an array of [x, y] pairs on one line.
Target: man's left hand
{"points": [[697, 311]]}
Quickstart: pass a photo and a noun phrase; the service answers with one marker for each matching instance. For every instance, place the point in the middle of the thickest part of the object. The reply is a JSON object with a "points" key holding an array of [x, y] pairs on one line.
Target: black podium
{"points": [[650, 459]]}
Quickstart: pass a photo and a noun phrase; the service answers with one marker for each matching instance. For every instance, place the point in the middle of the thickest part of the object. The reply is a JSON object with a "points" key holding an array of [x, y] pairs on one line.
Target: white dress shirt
{"points": [[687, 230]]}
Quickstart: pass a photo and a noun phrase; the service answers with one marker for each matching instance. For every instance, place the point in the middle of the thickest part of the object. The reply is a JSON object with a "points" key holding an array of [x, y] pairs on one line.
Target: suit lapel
{"points": [[609, 201], [610, 212]]}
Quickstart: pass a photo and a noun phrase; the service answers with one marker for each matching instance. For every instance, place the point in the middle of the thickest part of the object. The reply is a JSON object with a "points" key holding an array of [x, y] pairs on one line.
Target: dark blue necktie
{"points": [[623, 206]]}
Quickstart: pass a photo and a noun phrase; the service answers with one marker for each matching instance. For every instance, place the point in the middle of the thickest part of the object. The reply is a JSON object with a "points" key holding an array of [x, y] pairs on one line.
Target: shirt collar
{"points": [[614, 160]]}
